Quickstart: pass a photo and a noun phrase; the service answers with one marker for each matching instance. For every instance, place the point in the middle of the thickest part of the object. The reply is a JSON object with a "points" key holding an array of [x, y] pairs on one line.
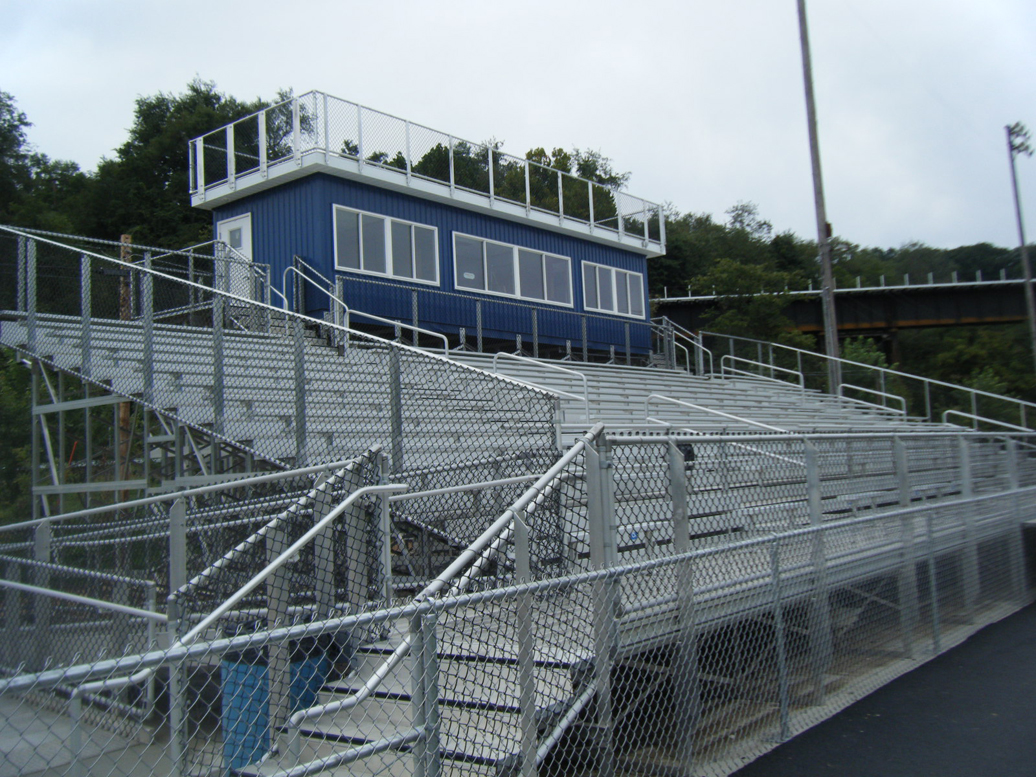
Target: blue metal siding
{"points": [[296, 218]]}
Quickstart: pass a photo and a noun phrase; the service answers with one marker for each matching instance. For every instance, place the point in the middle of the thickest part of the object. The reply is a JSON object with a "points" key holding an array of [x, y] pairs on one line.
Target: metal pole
{"points": [[1018, 143], [834, 369]]}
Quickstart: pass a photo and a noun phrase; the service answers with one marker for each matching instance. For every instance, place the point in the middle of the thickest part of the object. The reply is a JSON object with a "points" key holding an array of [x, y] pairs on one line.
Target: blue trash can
{"points": [[245, 686]]}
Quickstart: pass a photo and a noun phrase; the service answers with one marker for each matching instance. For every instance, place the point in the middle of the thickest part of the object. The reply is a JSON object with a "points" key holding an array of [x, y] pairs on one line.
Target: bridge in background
{"points": [[884, 309]]}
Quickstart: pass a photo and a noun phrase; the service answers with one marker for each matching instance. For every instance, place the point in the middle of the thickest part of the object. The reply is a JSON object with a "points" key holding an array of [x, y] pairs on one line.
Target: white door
{"points": [[236, 233]]}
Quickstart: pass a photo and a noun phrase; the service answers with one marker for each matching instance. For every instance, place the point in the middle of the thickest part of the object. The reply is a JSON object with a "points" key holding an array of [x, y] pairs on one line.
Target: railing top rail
{"points": [[174, 495], [260, 577], [902, 410], [90, 573], [488, 147], [263, 306], [711, 411], [43, 233], [982, 419], [723, 367], [89, 601], [886, 370], [579, 375]]}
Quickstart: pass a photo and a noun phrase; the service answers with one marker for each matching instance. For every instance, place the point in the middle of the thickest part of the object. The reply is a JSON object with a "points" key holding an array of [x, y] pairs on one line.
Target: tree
{"points": [[144, 189], [14, 162]]}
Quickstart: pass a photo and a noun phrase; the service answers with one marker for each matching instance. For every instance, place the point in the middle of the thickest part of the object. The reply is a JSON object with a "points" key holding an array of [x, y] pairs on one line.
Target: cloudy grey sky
{"points": [[701, 101]]}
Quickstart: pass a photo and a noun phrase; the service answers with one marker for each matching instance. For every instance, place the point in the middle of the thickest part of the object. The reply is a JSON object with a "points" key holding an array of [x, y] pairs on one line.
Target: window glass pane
{"points": [[468, 258], [499, 268], [347, 232], [590, 285], [374, 244], [604, 288], [559, 280], [402, 256], [530, 274], [637, 295], [622, 292], [424, 254]]}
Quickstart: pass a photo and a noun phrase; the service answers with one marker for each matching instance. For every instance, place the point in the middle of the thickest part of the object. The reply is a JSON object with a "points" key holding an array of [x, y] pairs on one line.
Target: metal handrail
{"points": [[885, 394], [661, 323], [100, 604], [556, 368], [260, 577], [976, 419], [712, 411], [470, 554], [724, 369], [641, 210], [1021, 403], [348, 313]]}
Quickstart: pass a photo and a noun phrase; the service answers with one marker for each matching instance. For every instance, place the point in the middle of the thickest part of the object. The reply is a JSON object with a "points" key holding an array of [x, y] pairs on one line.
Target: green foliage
{"points": [[739, 308], [16, 432], [144, 190]]}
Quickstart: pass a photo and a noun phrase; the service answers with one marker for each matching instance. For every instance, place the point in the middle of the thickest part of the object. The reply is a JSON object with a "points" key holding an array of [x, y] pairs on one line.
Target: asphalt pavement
{"points": [[969, 712]]}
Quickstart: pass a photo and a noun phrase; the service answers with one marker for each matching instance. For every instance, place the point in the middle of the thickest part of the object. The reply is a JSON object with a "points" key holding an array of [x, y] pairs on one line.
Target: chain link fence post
{"points": [[780, 639], [526, 648], [909, 605], [970, 561], [425, 695], [600, 487], [820, 635]]}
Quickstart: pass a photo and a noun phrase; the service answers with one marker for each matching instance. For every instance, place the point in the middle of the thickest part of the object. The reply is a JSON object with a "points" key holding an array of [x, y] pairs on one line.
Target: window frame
{"points": [[614, 273], [387, 222], [515, 272]]}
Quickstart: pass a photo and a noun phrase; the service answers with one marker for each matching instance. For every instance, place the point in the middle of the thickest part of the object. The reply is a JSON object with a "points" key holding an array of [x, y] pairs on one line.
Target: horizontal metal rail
{"points": [[526, 360], [1022, 404], [709, 410], [100, 604], [724, 369], [174, 495], [873, 392]]}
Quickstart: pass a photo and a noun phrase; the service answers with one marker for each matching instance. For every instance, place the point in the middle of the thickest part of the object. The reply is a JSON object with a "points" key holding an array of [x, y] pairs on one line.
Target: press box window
{"points": [[511, 271], [378, 245], [610, 290]]}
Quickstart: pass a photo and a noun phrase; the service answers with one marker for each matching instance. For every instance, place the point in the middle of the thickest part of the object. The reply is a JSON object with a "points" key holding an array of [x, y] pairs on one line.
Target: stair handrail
{"points": [[724, 369], [347, 311], [976, 419], [884, 394], [710, 410], [467, 557], [1021, 404], [207, 575], [662, 324], [284, 557], [525, 359]]}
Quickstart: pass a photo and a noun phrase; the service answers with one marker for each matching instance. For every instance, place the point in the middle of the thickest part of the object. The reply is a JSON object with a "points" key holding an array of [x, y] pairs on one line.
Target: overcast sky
{"points": [[701, 101]]}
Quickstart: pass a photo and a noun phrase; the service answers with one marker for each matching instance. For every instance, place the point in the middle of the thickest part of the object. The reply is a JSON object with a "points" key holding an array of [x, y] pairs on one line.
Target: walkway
{"points": [[971, 711]]}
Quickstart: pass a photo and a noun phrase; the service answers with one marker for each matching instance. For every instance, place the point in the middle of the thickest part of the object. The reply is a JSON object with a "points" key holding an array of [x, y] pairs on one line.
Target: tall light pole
{"points": [[1018, 143], [834, 368]]}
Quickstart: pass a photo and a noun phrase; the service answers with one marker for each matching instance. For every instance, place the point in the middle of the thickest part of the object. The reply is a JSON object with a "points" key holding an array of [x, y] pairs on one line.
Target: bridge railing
{"points": [[921, 398]]}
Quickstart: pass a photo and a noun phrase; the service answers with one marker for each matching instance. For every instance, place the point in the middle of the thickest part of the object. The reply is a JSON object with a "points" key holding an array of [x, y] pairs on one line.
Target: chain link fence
{"points": [[644, 603]]}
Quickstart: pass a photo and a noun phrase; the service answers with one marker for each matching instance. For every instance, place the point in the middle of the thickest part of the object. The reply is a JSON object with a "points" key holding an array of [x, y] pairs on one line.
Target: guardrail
{"points": [[924, 398], [316, 127]]}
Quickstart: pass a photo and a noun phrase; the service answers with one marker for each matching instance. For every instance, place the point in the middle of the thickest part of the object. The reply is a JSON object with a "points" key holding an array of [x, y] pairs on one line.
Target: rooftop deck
{"points": [[318, 133]]}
